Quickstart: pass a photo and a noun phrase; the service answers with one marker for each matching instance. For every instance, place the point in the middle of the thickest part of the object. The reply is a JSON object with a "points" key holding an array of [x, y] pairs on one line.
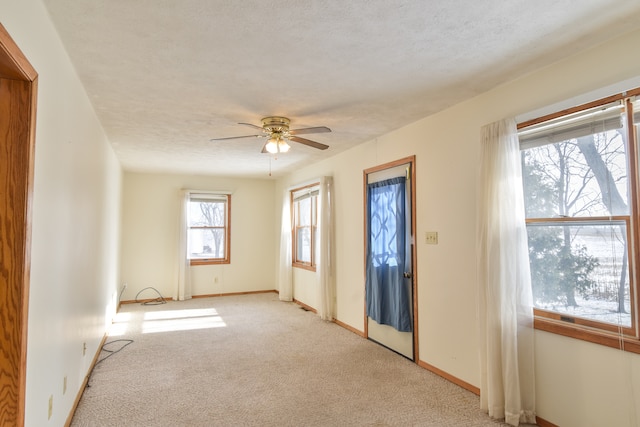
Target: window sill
{"points": [[304, 266], [588, 334], [209, 261]]}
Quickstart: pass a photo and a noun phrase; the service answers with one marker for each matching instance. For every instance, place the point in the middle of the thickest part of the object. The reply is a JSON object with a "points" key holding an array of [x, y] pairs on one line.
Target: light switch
{"points": [[431, 238]]}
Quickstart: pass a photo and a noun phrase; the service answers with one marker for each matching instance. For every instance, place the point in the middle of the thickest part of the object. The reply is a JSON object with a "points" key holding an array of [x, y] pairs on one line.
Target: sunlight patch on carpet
{"points": [[178, 314], [181, 320], [120, 324]]}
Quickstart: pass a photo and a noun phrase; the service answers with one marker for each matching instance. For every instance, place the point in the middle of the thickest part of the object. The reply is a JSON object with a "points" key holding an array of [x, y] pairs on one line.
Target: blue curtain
{"points": [[388, 292]]}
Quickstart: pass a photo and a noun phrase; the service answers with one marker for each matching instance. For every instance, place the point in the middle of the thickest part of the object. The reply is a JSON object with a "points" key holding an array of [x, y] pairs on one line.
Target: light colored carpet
{"points": [[253, 360]]}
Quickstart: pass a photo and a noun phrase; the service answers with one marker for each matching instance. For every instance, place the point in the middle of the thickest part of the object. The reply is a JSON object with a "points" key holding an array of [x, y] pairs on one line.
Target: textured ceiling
{"points": [[166, 76]]}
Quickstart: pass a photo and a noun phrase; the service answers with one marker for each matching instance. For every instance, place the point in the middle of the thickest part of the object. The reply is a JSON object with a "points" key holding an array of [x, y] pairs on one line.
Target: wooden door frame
{"points": [[411, 160], [18, 97]]}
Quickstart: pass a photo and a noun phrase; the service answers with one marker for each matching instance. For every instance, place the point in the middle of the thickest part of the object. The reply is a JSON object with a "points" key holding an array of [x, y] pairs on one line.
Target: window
{"points": [[208, 236], [304, 203], [580, 188]]}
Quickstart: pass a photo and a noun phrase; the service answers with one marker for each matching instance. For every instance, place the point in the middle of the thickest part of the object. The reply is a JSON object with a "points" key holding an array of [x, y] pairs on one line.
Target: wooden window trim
{"points": [[602, 101], [610, 335], [310, 266], [304, 266], [209, 261], [227, 248], [589, 334]]}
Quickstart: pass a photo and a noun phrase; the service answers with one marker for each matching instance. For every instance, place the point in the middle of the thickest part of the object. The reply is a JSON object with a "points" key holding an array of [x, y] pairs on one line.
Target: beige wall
{"points": [[76, 229], [151, 204], [578, 383], [76, 222]]}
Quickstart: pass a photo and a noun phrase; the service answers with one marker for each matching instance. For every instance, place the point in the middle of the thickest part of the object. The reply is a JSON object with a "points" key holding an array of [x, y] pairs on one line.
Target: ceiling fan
{"points": [[276, 129]]}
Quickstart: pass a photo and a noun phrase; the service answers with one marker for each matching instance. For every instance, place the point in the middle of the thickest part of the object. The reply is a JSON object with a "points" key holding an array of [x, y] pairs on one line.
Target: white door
{"points": [[389, 258]]}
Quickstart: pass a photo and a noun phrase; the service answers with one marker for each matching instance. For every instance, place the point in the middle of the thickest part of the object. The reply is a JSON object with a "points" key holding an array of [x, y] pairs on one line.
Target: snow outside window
{"points": [[579, 211], [208, 229]]}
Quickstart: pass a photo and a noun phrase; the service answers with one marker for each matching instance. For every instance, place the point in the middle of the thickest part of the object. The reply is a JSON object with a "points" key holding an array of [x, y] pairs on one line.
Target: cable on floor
{"points": [[157, 301], [110, 353]]}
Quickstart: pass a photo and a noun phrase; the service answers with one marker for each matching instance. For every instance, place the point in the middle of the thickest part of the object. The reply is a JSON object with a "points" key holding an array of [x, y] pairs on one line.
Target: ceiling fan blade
{"points": [[253, 126], [317, 129], [236, 137], [309, 143]]}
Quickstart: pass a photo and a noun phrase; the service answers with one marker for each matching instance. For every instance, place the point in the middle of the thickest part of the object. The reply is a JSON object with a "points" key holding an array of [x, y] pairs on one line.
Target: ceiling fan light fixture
{"points": [[283, 147], [272, 146], [276, 145]]}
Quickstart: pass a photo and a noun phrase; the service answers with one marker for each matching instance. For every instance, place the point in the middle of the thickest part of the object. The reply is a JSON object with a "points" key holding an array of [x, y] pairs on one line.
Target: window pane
{"points": [[206, 243], [303, 245], [384, 205], [304, 211], [581, 269], [210, 214], [579, 177]]}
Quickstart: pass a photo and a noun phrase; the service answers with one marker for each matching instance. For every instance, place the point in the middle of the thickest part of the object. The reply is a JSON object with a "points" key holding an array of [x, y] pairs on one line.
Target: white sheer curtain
{"points": [[182, 289], [285, 280], [325, 268], [505, 309]]}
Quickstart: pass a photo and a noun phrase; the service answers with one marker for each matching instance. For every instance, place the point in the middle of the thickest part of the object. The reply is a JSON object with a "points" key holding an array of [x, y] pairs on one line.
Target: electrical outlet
{"points": [[84, 348], [50, 406], [64, 385], [431, 237]]}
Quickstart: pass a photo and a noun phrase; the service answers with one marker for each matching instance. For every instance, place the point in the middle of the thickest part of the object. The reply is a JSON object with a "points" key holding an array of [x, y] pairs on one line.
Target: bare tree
{"points": [[213, 214], [611, 197], [578, 177]]}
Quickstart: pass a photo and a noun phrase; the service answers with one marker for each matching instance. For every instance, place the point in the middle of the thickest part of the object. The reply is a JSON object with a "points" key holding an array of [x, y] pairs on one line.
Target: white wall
{"points": [[578, 383], [151, 205], [76, 220]]}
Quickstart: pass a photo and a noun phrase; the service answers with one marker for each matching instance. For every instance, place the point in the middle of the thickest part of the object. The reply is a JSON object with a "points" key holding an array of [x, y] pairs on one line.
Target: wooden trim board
{"points": [[18, 101]]}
